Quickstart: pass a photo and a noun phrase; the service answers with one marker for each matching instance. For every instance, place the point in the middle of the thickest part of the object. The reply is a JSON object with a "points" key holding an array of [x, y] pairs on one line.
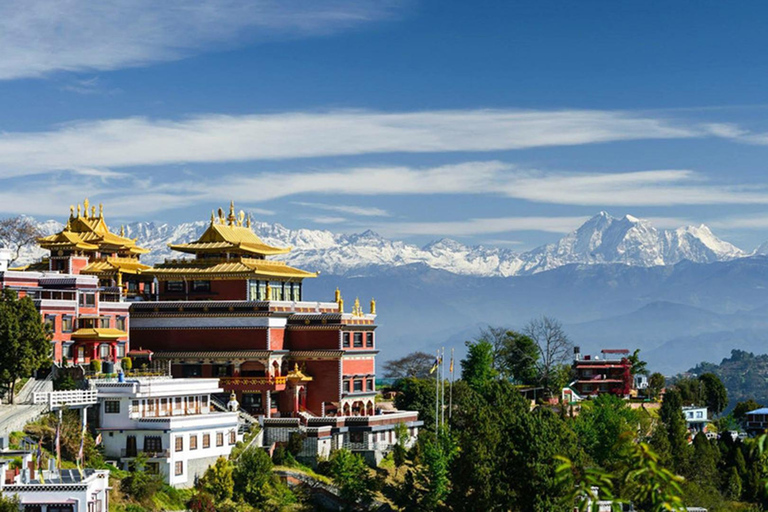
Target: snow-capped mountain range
{"points": [[602, 239]]}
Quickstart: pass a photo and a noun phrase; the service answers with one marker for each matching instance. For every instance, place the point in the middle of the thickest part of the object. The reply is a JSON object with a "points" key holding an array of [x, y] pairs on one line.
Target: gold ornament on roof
{"points": [[213, 217], [71, 210], [248, 222], [338, 295], [78, 209], [221, 216], [373, 306], [85, 207], [93, 211], [269, 292], [122, 230], [101, 210], [240, 218], [356, 309], [231, 219]]}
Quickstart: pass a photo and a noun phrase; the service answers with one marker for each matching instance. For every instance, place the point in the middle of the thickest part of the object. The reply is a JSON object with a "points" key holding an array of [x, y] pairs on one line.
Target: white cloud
{"points": [[119, 143], [473, 227], [327, 220], [38, 37], [363, 211]]}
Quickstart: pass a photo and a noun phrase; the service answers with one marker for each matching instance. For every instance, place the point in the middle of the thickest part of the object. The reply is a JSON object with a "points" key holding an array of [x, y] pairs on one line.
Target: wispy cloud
{"points": [[43, 36], [474, 227], [363, 211], [327, 220], [119, 143]]}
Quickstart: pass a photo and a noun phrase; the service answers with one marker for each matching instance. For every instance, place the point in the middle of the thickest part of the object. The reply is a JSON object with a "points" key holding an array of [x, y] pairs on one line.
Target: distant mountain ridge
{"points": [[602, 239]]}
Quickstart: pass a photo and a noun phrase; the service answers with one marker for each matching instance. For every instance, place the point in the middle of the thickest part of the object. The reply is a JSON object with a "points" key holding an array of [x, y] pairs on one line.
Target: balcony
{"points": [[252, 383]]}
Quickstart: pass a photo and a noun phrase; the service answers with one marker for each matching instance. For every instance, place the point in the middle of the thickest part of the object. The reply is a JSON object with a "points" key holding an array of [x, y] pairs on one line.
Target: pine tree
{"points": [[732, 489]]}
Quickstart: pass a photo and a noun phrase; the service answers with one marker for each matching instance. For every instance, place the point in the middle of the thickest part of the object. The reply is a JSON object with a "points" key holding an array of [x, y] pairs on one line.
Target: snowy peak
{"points": [[601, 239]]}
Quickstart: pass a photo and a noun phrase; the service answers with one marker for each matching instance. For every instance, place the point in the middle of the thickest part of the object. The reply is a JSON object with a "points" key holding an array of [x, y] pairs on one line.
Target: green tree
{"points": [[656, 383], [671, 414], [140, 484], [477, 369], [218, 480], [742, 408], [353, 478], [715, 394], [602, 424], [252, 476], [24, 340], [399, 451], [9, 503], [417, 395], [519, 357], [639, 367], [733, 485], [426, 486]]}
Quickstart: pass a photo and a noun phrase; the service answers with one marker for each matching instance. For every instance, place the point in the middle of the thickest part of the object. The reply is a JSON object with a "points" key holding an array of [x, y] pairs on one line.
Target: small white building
{"points": [[696, 418], [170, 420], [58, 491], [5, 258]]}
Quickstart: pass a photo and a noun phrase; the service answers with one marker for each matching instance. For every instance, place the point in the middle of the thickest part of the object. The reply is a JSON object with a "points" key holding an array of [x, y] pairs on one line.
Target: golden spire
{"points": [[213, 216], [373, 306], [85, 207], [93, 211], [122, 230], [71, 211], [356, 310], [78, 209], [338, 295], [101, 210], [231, 218], [341, 305], [248, 222], [269, 292], [221, 216], [240, 218]]}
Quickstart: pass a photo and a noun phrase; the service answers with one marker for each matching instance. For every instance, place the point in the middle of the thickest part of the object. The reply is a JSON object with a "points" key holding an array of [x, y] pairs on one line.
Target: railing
{"points": [[56, 399], [163, 454], [252, 381]]}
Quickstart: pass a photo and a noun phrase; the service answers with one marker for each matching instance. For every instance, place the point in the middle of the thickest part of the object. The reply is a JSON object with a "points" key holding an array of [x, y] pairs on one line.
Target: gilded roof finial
{"points": [[71, 210], [373, 306], [213, 217], [221, 216], [85, 207], [341, 305], [356, 310], [231, 218], [101, 210], [240, 218], [248, 222], [337, 297], [78, 209], [122, 230], [269, 292], [93, 211]]}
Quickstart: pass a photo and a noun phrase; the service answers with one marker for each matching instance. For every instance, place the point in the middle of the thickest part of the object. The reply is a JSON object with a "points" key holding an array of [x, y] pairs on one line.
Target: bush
{"points": [[139, 484], [252, 476], [126, 364], [96, 366]]}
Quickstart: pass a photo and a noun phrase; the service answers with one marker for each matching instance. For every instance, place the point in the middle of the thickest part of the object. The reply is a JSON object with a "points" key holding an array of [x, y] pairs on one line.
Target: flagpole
{"points": [[442, 387], [437, 389], [58, 443], [450, 391]]}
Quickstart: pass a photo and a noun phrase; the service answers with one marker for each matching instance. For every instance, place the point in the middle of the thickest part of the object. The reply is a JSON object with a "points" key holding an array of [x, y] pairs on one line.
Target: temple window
{"points": [[257, 290], [358, 340], [112, 406], [104, 322], [346, 386], [67, 323], [153, 444], [358, 385], [369, 385], [174, 286], [201, 286], [120, 323], [206, 440], [346, 339], [104, 351], [369, 339], [88, 299], [277, 290], [219, 438], [50, 322], [121, 350]]}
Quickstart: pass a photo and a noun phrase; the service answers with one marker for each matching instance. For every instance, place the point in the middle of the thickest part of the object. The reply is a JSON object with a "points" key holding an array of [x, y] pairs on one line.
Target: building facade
{"points": [[696, 418], [230, 313], [65, 490], [172, 421], [86, 322], [611, 372]]}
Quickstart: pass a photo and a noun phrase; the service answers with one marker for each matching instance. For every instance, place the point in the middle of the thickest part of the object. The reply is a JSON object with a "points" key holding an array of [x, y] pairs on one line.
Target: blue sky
{"points": [[499, 123]]}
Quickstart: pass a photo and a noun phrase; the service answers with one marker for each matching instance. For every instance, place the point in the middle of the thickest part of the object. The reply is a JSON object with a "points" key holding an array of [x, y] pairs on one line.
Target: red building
{"points": [[230, 312], [609, 373], [79, 288]]}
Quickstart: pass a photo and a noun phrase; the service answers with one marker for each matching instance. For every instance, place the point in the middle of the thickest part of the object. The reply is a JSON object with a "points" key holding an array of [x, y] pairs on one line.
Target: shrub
{"points": [[96, 366], [126, 364]]}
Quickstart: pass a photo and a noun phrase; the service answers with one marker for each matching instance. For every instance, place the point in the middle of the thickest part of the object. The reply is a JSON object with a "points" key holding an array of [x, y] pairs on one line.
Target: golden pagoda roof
{"points": [[89, 232], [112, 265], [297, 374], [98, 334], [232, 234], [205, 268]]}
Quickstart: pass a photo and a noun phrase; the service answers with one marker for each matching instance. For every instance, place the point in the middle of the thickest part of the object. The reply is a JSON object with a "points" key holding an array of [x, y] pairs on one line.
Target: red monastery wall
{"points": [[325, 386], [312, 339], [276, 339], [199, 339], [357, 366]]}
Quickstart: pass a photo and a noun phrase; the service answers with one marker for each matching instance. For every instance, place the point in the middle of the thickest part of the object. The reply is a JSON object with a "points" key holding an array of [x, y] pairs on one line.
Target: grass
{"points": [[301, 468]]}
